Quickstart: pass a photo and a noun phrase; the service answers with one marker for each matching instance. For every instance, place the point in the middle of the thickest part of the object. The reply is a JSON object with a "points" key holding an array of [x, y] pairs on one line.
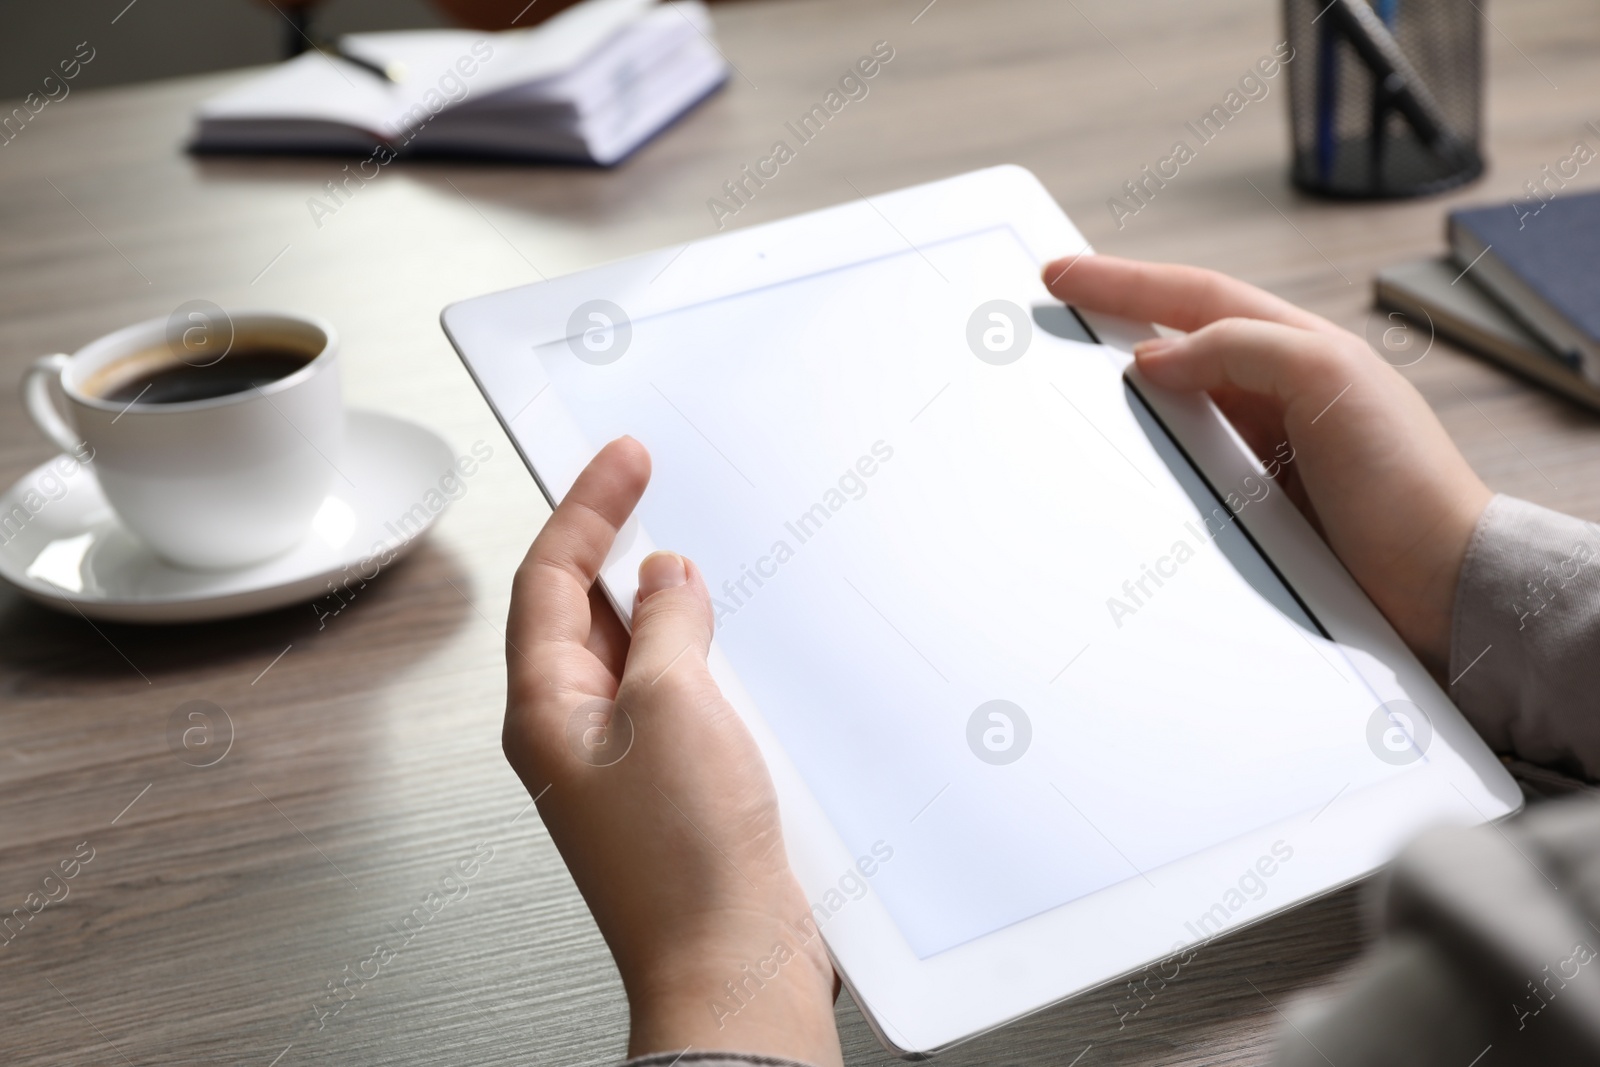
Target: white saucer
{"points": [[72, 554]]}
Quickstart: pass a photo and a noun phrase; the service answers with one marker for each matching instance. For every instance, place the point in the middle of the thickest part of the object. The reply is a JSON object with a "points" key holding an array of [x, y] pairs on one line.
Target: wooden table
{"points": [[222, 903]]}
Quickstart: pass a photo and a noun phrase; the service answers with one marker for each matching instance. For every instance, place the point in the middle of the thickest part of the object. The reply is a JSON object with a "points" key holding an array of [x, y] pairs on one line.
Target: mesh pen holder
{"points": [[1385, 98]]}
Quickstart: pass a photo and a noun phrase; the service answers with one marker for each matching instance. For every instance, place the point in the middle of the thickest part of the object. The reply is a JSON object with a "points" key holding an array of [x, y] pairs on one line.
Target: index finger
{"points": [[550, 596], [1185, 298]]}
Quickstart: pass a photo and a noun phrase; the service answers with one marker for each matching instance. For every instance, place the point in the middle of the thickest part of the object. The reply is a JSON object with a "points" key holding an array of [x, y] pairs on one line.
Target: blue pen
{"points": [[1327, 90], [1328, 98], [1387, 10]]}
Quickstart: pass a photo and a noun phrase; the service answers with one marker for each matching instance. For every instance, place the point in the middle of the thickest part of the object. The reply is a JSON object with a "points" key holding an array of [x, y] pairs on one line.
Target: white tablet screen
{"points": [[897, 532]]}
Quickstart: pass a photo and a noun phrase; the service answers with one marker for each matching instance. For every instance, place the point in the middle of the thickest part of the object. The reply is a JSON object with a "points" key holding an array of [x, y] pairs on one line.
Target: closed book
{"points": [[1435, 295], [1543, 265]]}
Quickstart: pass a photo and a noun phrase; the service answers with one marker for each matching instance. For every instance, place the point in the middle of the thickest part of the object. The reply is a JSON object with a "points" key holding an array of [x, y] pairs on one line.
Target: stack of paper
{"points": [[592, 84]]}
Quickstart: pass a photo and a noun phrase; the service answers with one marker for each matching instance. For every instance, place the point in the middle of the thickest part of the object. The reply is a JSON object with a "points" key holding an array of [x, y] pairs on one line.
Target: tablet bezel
{"points": [[923, 1006]]}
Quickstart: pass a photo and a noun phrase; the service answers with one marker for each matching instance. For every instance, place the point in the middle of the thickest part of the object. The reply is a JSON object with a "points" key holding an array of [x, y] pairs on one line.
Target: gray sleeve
{"points": [[1525, 646], [1489, 943]]}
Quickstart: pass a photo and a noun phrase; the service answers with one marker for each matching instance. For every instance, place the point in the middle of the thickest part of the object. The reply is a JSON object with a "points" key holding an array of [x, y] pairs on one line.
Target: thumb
{"points": [[672, 620]]}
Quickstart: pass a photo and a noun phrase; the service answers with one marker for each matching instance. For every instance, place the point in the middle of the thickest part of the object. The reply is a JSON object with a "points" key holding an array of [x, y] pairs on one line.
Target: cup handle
{"points": [[42, 407]]}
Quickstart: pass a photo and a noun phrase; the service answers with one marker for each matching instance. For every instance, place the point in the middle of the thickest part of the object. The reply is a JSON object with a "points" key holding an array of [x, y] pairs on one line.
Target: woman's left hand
{"points": [[655, 792]]}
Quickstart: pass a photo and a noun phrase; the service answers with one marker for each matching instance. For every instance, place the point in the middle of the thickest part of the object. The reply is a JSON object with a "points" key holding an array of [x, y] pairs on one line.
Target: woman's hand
{"points": [[655, 792], [1373, 469]]}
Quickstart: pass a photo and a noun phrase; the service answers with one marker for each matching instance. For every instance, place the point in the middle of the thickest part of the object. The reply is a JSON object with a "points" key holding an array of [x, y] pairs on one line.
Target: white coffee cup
{"points": [[208, 483]]}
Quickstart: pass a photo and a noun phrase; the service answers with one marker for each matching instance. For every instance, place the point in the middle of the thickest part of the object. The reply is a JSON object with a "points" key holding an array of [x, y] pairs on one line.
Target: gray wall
{"points": [[163, 38]]}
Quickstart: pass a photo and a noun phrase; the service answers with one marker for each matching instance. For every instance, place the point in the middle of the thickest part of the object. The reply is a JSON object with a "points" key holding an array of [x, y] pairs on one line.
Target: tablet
{"points": [[1053, 682]]}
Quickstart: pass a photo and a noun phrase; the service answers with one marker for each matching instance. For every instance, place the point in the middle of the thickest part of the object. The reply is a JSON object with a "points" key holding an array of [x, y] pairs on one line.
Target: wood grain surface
{"points": [[224, 903]]}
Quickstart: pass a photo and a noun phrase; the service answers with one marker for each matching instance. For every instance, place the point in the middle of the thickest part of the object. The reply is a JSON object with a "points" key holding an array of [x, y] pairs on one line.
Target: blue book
{"points": [[1543, 264]]}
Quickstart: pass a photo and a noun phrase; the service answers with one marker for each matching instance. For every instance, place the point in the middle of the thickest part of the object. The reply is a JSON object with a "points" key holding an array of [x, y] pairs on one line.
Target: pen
{"points": [[393, 73], [1402, 86], [1388, 11], [1327, 102]]}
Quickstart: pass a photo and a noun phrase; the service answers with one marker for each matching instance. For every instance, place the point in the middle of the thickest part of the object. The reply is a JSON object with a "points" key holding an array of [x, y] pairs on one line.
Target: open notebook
{"points": [[590, 85]]}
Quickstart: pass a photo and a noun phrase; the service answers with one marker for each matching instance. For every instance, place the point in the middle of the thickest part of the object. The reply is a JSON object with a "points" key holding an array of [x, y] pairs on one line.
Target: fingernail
{"points": [[1156, 346], [661, 570], [1053, 270]]}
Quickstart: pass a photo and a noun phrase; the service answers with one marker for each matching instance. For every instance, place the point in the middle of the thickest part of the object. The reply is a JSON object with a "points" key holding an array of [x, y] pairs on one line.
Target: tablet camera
{"points": [[999, 732], [599, 332], [998, 332], [199, 733], [599, 733], [1399, 732]]}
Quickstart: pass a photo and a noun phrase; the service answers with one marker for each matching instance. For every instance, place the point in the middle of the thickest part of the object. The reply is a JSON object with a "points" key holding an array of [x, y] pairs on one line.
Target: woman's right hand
{"points": [[1373, 469]]}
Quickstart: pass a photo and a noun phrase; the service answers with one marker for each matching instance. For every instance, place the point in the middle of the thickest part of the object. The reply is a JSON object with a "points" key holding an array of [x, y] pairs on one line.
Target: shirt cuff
{"points": [[1525, 642]]}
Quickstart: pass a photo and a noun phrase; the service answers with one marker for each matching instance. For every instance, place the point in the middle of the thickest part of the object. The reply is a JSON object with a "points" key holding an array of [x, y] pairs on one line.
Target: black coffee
{"points": [[176, 383]]}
